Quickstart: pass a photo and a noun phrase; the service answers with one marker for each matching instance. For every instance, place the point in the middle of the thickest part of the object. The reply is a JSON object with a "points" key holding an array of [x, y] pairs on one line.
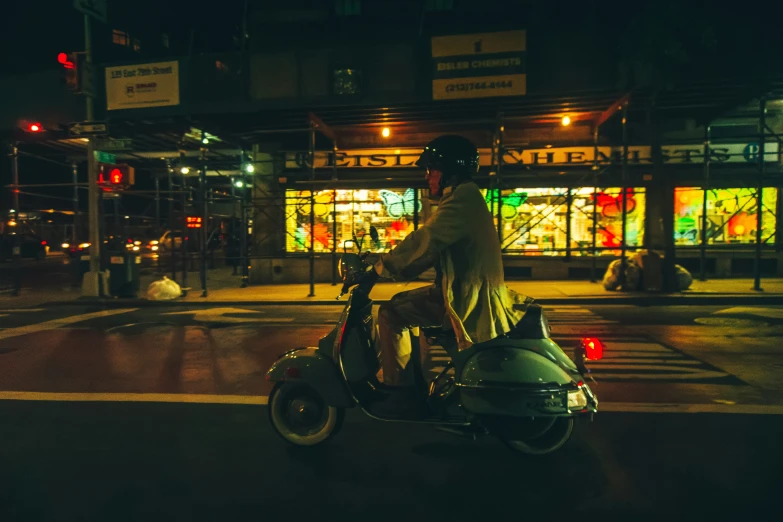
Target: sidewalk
{"points": [[225, 288]]}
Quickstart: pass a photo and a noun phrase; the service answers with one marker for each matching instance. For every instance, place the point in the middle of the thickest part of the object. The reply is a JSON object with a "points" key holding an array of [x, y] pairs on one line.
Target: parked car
{"points": [[25, 245]]}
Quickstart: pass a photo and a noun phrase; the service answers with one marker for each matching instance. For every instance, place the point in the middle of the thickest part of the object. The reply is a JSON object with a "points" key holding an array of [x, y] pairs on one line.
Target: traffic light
{"points": [[70, 71], [31, 126], [115, 177]]}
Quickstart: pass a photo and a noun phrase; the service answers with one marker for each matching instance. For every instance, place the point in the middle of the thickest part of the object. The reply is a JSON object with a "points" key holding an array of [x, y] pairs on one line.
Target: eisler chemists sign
{"points": [[746, 153], [479, 65], [142, 85]]}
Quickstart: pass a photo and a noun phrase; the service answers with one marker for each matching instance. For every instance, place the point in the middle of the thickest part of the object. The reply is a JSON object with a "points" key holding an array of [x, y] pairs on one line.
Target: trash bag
{"points": [[633, 276], [684, 278], [163, 290]]}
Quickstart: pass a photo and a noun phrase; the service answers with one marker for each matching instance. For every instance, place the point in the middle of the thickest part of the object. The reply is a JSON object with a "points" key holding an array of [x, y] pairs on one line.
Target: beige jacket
{"points": [[461, 237]]}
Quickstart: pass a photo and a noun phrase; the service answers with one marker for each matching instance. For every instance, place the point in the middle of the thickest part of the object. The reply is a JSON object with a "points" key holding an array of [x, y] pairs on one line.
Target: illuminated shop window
{"points": [[535, 219], [389, 211], [731, 216]]}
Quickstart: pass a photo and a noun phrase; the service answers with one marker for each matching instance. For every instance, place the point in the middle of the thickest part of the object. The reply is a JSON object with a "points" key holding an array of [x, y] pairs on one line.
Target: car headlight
{"points": [[84, 245], [66, 246], [154, 248], [577, 399]]}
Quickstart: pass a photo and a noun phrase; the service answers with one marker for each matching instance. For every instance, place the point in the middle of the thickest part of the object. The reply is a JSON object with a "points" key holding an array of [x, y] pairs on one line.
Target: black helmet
{"points": [[455, 156]]}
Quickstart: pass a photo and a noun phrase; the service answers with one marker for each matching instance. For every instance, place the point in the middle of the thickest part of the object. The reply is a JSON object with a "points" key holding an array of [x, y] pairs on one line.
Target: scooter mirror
{"points": [[374, 234]]}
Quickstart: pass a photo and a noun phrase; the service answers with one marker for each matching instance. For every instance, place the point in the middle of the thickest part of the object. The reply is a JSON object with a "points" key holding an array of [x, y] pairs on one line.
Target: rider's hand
{"points": [[367, 279]]}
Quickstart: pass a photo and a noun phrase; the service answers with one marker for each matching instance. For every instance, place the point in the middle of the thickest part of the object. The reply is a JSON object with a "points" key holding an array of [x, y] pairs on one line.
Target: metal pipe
{"points": [[569, 203], [204, 230], [233, 237], [312, 211], [760, 194], [244, 254], [94, 196], [171, 223], [334, 215], [499, 180], [15, 175], [183, 232], [704, 220], [594, 267], [76, 216], [624, 246]]}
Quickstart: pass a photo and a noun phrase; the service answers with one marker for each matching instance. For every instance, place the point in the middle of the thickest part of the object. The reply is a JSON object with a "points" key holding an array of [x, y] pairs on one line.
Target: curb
{"points": [[653, 300]]}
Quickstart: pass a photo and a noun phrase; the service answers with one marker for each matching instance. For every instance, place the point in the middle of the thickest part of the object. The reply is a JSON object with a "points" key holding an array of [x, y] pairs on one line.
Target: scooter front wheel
{"points": [[301, 416], [555, 433]]}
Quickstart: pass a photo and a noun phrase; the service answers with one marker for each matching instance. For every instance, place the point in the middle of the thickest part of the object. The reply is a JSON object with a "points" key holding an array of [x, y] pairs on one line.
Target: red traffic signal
{"points": [[70, 72], [66, 61], [116, 177], [31, 126]]}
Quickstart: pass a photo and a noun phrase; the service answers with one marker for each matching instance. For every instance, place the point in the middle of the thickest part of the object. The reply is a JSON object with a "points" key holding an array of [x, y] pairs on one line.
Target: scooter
{"points": [[520, 387]]}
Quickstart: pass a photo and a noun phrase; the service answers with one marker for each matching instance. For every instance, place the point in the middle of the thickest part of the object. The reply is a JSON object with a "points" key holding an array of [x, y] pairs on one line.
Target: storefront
{"points": [[580, 218]]}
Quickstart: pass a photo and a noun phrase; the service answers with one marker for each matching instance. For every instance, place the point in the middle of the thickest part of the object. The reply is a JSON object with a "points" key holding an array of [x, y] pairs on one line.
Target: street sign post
{"points": [[88, 128], [114, 145], [93, 8], [105, 157]]}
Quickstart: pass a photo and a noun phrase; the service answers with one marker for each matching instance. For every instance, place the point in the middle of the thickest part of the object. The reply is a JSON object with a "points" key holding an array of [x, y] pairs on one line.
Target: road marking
{"points": [[133, 397], [615, 407], [15, 310], [646, 407], [218, 315], [3, 315], [57, 323], [771, 313]]}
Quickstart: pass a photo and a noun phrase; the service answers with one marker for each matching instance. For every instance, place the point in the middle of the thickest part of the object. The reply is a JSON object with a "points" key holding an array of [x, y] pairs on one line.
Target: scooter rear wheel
{"points": [[301, 416], [552, 439]]}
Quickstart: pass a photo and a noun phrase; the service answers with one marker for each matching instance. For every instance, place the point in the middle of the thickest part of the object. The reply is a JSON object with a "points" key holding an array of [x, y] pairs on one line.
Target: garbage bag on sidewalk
{"points": [[163, 290], [633, 276]]}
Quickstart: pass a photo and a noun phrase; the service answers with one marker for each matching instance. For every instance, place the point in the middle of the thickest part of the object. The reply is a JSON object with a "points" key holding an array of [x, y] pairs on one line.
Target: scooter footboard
{"points": [[309, 367]]}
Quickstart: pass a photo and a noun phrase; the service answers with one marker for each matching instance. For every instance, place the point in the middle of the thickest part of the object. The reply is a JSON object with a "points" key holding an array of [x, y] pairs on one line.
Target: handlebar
{"points": [[357, 276]]}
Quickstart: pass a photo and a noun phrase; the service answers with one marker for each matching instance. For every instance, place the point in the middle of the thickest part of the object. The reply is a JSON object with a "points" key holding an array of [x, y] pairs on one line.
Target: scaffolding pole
{"points": [[760, 194], [569, 204], [76, 217], [594, 268], [704, 220], [624, 245], [204, 230], [334, 215], [312, 209], [499, 178]]}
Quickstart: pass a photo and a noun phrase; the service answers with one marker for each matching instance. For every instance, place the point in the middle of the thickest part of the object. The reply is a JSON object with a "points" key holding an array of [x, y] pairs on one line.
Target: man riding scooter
{"points": [[461, 242]]}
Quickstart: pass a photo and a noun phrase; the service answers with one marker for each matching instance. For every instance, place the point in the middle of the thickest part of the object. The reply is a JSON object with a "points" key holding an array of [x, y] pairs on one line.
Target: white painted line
{"points": [[646, 407], [619, 407], [133, 397], [57, 323], [3, 315], [15, 310]]}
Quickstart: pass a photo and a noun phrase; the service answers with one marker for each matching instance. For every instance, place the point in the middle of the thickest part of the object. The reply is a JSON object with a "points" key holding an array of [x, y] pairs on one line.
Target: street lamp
{"points": [[385, 132], [566, 121], [249, 168], [184, 170], [239, 183]]}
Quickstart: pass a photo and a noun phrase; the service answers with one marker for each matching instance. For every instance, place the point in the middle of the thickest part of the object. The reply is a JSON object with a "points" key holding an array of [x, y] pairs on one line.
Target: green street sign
{"points": [[105, 157]]}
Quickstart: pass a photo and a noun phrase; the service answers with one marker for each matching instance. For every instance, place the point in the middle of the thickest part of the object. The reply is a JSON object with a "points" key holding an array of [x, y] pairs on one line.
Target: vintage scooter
{"points": [[521, 387]]}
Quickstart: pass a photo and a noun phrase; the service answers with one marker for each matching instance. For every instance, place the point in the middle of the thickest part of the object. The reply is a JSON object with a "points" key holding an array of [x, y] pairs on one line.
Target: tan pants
{"points": [[422, 307]]}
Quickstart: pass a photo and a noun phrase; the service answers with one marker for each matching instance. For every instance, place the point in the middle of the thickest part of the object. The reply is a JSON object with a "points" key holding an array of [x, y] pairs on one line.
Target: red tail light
{"points": [[43, 243], [594, 348]]}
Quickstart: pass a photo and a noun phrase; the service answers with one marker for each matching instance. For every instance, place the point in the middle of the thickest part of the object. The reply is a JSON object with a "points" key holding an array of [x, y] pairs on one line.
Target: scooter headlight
{"points": [[577, 399]]}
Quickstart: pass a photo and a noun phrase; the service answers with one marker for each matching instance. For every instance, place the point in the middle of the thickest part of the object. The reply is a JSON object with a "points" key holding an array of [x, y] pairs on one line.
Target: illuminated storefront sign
{"points": [[742, 153], [479, 65]]}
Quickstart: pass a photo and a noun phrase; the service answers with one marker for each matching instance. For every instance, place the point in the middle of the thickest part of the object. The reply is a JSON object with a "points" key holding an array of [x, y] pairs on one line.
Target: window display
{"points": [[731, 215], [389, 210], [535, 219]]}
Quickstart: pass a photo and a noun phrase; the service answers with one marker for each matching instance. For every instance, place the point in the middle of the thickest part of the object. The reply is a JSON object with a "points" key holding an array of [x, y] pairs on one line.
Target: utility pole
{"points": [[15, 174], [91, 285]]}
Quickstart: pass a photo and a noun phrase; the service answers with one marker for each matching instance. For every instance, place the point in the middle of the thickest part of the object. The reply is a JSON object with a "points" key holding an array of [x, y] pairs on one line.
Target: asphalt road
{"points": [[688, 428]]}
